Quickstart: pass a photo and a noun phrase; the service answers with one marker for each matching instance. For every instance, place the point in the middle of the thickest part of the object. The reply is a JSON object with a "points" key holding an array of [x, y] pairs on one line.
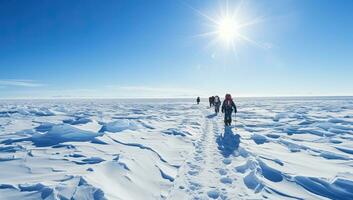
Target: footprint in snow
{"points": [[198, 158], [192, 166], [227, 161], [214, 194], [226, 180], [193, 173], [222, 172], [194, 186]]}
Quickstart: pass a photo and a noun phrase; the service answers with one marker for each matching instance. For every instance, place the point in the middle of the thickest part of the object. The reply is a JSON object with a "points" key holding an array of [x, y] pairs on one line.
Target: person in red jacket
{"points": [[227, 108]]}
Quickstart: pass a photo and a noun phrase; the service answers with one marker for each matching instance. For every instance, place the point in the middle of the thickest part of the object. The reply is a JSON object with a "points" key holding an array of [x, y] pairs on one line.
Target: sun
{"points": [[227, 30], [229, 27]]}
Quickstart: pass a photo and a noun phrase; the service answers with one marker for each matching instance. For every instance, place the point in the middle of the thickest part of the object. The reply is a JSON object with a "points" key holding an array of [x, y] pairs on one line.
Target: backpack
{"points": [[228, 104], [216, 100]]}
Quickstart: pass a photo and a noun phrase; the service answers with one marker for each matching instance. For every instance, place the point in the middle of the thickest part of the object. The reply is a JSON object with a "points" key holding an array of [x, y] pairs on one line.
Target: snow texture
{"points": [[278, 148]]}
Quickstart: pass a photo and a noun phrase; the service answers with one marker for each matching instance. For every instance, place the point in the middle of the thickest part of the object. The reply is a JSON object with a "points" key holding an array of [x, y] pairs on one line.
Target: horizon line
{"points": [[122, 98]]}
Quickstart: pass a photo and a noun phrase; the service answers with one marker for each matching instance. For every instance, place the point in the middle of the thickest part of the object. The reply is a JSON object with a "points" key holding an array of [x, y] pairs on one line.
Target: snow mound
{"points": [[338, 189], [77, 121], [270, 173], [74, 187], [44, 191], [118, 126], [259, 139], [63, 133], [11, 149], [44, 127], [41, 112], [57, 134], [174, 131], [253, 182]]}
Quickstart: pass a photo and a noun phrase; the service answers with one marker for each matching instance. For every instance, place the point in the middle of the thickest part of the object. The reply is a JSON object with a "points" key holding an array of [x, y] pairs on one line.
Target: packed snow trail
{"points": [[208, 174]]}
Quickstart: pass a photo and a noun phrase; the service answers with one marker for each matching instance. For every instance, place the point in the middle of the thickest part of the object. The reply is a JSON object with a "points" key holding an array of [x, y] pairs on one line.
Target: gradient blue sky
{"points": [[138, 48]]}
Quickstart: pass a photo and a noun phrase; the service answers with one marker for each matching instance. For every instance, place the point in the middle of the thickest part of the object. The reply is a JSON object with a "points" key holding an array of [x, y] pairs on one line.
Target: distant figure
{"points": [[211, 100], [217, 104], [198, 100], [227, 109]]}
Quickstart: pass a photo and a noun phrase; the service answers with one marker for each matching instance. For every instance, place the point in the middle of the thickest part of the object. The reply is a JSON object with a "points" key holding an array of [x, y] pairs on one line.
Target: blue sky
{"points": [[137, 48]]}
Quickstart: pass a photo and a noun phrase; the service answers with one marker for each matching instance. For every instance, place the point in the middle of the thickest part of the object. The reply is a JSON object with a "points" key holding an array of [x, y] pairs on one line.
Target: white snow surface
{"points": [[277, 148]]}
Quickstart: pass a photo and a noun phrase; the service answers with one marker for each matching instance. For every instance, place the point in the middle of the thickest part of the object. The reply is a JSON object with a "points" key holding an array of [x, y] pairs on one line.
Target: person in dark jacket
{"points": [[217, 104], [227, 108], [198, 100], [211, 100]]}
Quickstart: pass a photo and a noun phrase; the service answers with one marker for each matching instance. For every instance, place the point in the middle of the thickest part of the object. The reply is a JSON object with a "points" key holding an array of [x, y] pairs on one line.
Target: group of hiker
{"points": [[228, 106], [216, 102]]}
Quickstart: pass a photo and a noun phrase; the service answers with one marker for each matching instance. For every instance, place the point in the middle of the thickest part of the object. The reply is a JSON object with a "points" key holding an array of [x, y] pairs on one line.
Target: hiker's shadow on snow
{"points": [[211, 115], [228, 142]]}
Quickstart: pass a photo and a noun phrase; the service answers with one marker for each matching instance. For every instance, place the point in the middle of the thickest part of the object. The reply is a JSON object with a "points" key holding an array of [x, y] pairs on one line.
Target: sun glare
{"points": [[228, 26], [227, 30]]}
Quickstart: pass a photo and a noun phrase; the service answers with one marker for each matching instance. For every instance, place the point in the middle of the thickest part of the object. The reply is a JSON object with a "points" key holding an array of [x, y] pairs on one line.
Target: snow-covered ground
{"points": [[279, 148]]}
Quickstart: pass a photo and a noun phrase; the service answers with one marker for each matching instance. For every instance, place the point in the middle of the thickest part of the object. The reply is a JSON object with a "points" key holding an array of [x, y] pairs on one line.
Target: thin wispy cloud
{"points": [[147, 91], [152, 89], [108, 91], [19, 83]]}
